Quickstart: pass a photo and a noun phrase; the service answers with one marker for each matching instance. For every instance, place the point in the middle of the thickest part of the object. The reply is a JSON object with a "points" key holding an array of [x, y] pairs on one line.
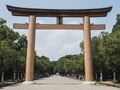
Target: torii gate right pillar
{"points": [[87, 50]]}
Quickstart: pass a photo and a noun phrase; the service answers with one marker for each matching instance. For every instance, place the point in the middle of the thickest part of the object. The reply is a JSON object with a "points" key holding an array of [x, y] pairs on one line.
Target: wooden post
{"points": [[30, 50], [59, 20], [87, 50]]}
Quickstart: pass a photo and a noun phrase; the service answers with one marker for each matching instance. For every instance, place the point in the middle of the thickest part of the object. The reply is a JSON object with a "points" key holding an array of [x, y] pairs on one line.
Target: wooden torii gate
{"points": [[59, 14]]}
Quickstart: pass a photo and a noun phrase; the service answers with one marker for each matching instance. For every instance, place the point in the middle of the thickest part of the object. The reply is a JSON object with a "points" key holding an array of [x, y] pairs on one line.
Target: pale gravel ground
{"points": [[58, 83]]}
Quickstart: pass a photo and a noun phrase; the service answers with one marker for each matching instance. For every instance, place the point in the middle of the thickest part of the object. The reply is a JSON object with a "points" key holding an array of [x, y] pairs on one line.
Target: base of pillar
{"points": [[28, 82], [89, 82]]}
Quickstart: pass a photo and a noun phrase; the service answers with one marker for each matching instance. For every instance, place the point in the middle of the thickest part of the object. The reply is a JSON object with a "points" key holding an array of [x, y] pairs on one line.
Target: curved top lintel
{"points": [[20, 11]]}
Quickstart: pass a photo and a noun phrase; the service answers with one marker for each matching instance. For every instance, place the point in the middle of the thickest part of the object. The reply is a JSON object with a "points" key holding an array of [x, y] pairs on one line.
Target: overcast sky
{"points": [[56, 43]]}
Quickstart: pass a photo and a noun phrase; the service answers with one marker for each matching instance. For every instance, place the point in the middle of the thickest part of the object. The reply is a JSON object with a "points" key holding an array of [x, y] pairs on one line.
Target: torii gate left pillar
{"points": [[32, 26], [30, 50]]}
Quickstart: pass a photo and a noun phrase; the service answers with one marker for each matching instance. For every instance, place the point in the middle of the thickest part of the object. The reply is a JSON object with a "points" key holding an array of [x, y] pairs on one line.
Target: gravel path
{"points": [[58, 83]]}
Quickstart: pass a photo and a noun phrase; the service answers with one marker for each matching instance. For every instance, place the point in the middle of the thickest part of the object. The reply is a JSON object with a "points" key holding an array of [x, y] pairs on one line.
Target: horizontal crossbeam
{"points": [[20, 11], [60, 26]]}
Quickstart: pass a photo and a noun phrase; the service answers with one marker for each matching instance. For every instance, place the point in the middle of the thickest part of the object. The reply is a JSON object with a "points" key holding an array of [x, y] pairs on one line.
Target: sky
{"points": [[55, 44]]}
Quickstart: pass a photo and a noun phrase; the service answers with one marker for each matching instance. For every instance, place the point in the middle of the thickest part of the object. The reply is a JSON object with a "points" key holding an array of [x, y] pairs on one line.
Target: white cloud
{"points": [[70, 47], [57, 43], [56, 35]]}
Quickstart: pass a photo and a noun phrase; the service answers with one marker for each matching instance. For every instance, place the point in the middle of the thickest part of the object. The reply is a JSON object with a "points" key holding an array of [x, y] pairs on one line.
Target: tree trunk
{"points": [[114, 76], [14, 76], [18, 77], [2, 77], [96, 76], [21, 76], [101, 76]]}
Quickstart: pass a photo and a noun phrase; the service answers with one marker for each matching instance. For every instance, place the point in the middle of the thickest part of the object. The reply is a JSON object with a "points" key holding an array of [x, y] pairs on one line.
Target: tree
{"points": [[70, 65], [113, 49], [7, 45], [12, 50], [43, 66], [116, 27]]}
